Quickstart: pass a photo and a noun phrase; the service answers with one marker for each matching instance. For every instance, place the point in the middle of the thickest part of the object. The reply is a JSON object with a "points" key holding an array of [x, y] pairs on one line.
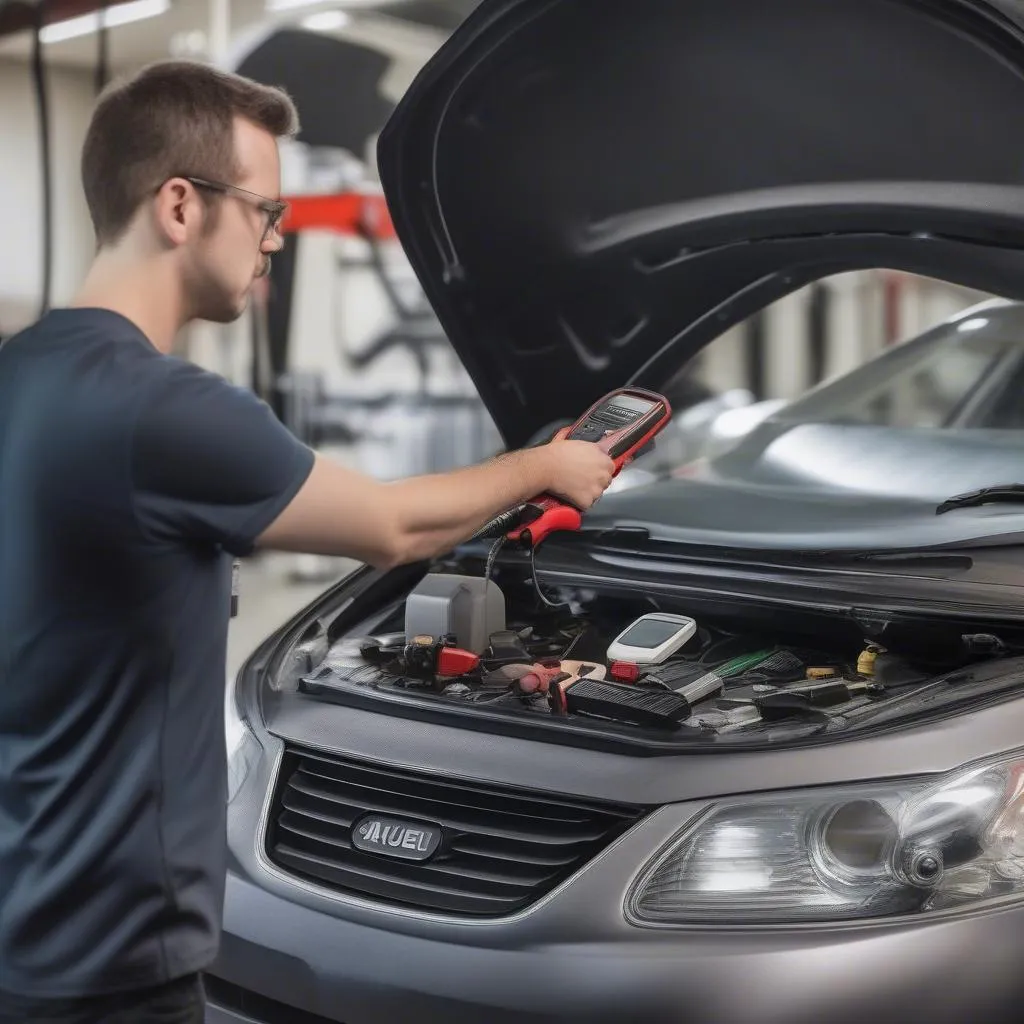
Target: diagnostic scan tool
{"points": [[624, 423]]}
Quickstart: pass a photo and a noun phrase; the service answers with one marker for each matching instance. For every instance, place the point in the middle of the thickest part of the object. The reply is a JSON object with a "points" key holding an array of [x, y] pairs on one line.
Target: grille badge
{"points": [[394, 837]]}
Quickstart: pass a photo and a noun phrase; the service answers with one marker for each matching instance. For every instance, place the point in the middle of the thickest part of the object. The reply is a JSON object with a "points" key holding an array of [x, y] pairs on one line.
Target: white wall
{"points": [[21, 193]]}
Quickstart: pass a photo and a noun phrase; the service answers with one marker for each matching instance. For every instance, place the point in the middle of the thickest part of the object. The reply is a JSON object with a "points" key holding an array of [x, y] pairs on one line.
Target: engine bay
{"points": [[627, 663]]}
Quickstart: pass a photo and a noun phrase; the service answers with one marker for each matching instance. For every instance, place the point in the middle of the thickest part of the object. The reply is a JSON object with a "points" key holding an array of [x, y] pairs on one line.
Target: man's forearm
{"points": [[340, 512], [456, 504]]}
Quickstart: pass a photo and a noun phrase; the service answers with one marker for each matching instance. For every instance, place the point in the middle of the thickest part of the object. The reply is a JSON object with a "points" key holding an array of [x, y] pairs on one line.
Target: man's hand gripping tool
{"points": [[624, 423]]}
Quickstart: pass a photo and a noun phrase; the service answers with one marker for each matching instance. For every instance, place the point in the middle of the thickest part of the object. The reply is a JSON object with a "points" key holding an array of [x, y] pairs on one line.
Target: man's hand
{"points": [[580, 470]]}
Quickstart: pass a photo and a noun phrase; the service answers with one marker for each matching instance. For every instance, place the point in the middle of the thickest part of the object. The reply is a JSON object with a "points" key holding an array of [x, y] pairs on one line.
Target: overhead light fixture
{"points": [[326, 21], [119, 14]]}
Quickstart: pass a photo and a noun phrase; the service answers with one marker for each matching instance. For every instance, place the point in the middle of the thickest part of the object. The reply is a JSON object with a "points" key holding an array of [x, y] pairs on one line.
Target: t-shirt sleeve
{"points": [[211, 462]]}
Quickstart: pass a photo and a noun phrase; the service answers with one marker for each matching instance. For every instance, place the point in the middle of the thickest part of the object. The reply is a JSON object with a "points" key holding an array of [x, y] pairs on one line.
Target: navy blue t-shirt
{"points": [[128, 481]]}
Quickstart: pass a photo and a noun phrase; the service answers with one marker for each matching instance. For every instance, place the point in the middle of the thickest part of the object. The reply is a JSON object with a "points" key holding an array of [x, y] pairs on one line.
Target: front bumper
{"points": [[290, 954]]}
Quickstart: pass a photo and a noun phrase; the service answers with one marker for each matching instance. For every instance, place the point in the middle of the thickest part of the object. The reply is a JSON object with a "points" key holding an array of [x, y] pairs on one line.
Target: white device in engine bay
{"points": [[652, 639]]}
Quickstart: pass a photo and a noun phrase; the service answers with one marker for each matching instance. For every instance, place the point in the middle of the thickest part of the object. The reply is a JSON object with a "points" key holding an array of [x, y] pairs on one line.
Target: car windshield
{"points": [[964, 375], [935, 416]]}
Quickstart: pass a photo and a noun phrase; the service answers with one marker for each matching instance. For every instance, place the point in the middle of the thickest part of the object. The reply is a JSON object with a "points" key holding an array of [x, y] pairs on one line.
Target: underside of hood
{"points": [[592, 190]]}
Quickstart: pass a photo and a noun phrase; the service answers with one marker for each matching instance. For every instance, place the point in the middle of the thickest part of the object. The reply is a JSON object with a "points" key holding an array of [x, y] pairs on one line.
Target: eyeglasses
{"points": [[273, 208]]}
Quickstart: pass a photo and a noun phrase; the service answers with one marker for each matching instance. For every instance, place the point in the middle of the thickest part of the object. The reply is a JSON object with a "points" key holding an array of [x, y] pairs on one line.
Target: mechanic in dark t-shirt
{"points": [[130, 479]]}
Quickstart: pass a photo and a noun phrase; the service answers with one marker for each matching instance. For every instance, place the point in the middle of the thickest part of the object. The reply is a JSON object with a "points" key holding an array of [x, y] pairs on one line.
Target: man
{"points": [[130, 480]]}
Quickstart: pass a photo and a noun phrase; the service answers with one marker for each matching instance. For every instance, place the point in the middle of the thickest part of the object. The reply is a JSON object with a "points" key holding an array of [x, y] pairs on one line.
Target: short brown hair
{"points": [[172, 118]]}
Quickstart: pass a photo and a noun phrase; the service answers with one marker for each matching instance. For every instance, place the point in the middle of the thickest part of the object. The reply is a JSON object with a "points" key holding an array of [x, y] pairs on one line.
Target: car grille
{"points": [[501, 850]]}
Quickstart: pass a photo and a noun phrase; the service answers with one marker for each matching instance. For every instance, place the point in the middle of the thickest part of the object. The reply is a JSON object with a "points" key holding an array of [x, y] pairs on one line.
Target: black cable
{"points": [[491, 556], [43, 106], [499, 527], [536, 583], [502, 523]]}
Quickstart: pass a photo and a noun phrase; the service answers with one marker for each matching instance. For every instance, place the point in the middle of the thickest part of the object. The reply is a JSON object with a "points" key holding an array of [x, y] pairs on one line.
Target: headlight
{"points": [[878, 850]]}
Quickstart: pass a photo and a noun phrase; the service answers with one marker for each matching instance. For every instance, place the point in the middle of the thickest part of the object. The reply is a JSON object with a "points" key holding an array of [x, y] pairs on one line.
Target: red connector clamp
{"points": [[624, 671], [454, 661]]}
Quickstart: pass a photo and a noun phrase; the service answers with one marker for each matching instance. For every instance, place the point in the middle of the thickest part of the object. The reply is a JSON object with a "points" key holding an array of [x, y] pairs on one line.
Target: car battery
{"points": [[467, 608]]}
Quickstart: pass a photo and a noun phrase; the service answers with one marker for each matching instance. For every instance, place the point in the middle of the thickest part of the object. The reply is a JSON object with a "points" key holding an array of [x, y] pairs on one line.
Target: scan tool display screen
{"points": [[632, 404], [649, 633]]}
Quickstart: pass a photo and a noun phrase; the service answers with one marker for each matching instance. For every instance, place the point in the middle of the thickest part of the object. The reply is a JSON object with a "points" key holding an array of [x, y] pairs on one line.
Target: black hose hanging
{"points": [[43, 108]]}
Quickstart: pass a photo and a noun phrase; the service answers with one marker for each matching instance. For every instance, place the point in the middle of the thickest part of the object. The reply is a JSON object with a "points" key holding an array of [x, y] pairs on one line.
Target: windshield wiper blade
{"points": [[982, 496]]}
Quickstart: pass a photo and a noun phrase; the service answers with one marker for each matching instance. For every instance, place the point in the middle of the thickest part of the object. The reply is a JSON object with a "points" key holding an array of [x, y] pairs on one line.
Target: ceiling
{"points": [[410, 28]]}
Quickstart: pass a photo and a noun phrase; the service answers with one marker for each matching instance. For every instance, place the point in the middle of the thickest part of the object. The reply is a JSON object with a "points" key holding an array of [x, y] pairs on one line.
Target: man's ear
{"points": [[176, 210]]}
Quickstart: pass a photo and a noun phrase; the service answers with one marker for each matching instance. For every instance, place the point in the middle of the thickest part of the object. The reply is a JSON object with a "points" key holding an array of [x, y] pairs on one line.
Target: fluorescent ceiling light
{"points": [[120, 14], [326, 21]]}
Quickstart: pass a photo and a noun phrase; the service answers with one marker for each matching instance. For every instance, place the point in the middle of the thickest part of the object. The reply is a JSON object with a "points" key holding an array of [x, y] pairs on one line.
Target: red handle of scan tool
{"points": [[556, 515]]}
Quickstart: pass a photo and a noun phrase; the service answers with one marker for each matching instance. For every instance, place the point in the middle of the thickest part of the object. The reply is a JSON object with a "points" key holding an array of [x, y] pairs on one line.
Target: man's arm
{"points": [[211, 463], [341, 512]]}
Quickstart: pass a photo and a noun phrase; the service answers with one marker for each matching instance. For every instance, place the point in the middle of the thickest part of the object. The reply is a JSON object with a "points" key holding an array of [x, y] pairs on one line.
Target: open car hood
{"points": [[590, 190]]}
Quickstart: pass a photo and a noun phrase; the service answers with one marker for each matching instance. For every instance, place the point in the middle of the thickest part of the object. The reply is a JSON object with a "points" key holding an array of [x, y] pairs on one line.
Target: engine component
{"points": [[764, 661], [356, 649], [333, 673], [709, 685], [571, 673], [892, 671], [822, 672], [829, 693], [818, 695], [540, 678], [583, 668], [867, 658], [504, 648], [427, 658], [984, 644], [673, 675], [467, 608], [779, 666], [656, 709], [383, 649], [688, 680], [453, 661]]}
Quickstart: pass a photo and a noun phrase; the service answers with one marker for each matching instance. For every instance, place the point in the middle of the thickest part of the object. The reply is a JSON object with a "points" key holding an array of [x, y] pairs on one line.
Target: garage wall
{"points": [[21, 193]]}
